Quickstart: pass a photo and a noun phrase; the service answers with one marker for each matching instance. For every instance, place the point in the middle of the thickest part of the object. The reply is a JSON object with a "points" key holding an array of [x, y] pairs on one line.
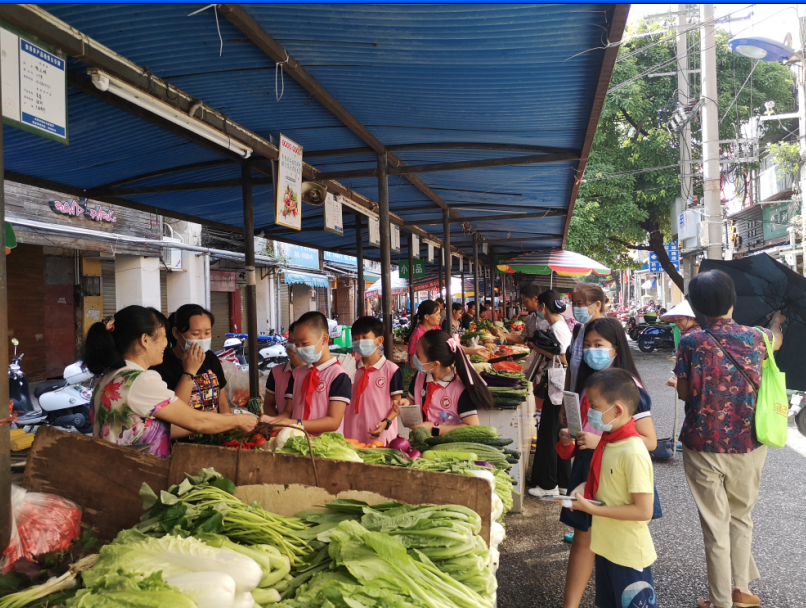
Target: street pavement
{"points": [[534, 556]]}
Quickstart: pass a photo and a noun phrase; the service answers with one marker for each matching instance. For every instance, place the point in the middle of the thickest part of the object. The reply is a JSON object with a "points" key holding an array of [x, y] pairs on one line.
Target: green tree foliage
{"points": [[614, 215]]}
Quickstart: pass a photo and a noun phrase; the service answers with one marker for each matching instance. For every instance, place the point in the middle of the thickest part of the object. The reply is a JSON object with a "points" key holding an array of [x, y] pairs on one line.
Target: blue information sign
{"points": [[674, 257]]}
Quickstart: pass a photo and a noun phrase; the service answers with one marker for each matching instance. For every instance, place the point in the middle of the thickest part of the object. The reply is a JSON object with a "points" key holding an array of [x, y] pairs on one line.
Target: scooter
{"points": [[658, 336], [271, 350], [64, 403], [797, 409]]}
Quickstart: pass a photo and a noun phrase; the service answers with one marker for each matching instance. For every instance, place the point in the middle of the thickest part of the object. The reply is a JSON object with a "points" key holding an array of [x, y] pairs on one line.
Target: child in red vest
{"points": [[279, 377], [318, 392], [377, 387]]}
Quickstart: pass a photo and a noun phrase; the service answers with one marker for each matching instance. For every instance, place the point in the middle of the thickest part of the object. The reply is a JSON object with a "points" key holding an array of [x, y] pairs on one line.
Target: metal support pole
{"points": [[440, 273], [386, 254], [5, 439], [412, 307], [462, 279], [446, 248], [251, 283], [710, 130], [492, 280], [476, 275], [361, 285], [802, 134]]}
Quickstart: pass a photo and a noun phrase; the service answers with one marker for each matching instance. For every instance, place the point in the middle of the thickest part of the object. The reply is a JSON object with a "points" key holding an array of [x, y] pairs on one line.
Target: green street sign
{"points": [[419, 269]]}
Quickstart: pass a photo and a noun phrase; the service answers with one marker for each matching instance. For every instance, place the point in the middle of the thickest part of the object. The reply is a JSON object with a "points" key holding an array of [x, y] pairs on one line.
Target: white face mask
{"points": [[205, 343]]}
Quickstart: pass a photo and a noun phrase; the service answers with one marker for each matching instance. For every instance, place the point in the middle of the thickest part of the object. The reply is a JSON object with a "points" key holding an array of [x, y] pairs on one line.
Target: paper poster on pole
{"points": [[484, 248], [288, 206], [470, 267], [415, 246], [461, 263], [394, 235], [374, 232], [430, 253], [332, 213], [34, 86]]}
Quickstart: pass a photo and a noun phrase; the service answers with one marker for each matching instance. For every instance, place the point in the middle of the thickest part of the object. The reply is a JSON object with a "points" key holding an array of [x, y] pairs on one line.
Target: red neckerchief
{"points": [[308, 387], [592, 485], [362, 385], [430, 389]]}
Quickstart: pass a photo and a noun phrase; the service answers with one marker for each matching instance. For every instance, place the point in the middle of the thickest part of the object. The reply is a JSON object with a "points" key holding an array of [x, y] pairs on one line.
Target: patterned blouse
{"points": [[123, 406], [721, 406]]}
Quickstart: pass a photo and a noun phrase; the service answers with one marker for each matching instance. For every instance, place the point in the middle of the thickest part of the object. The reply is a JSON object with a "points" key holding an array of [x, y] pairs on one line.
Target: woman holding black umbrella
{"points": [[718, 373]]}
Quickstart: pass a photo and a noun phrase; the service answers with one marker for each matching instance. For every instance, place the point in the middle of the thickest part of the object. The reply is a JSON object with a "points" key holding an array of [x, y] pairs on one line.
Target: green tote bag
{"points": [[772, 404]]}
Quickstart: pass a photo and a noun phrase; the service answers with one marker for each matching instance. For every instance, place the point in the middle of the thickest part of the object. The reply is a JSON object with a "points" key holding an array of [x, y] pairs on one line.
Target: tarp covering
{"points": [[303, 278]]}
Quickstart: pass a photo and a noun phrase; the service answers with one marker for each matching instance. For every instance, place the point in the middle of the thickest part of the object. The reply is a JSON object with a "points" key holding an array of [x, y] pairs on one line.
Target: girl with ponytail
{"points": [[446, 387], [132, 405], [428, 318]]}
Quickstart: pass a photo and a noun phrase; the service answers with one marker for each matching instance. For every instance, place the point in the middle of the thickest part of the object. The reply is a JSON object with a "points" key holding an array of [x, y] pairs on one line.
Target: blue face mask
{"points": [[598, 358], [365, 348], [418, 365], [540, 315], [308, 354], [595, 420], [582, 314]]}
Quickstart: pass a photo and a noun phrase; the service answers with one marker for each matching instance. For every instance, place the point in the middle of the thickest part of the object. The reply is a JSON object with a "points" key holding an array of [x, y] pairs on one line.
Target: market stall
{"points": [[314, 528]]}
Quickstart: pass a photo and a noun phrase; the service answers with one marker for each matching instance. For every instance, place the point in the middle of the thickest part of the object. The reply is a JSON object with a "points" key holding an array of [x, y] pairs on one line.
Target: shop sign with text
{"points": [[82, 208]]}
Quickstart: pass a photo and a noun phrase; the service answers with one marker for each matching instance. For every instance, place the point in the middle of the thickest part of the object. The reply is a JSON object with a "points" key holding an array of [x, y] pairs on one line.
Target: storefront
{"points": [[63, 274]]}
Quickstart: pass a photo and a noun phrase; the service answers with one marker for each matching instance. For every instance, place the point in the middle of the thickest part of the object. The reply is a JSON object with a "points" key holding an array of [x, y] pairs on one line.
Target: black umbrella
{"points": [[762, 287]]}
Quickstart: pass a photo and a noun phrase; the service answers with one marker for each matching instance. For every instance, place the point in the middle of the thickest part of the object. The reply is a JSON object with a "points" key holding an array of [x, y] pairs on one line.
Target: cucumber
{"points": [[469, 456], [513, 453]]}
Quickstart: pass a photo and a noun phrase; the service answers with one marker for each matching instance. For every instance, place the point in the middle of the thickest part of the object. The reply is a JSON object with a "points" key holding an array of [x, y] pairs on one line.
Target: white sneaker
{"points": [[539, 492], [563, 491]]}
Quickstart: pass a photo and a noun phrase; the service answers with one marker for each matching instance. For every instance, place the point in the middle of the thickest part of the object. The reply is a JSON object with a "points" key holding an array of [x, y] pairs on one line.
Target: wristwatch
{"points": [[388, 423], [434, 431]]}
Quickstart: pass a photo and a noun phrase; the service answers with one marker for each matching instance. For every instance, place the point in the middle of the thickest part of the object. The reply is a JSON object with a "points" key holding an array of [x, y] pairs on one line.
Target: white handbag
{"points": [[556, 381]]}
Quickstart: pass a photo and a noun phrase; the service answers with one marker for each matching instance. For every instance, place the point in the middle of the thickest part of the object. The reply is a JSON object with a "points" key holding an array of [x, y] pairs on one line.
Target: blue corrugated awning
{"points": [[412, 75], [303, 278]]}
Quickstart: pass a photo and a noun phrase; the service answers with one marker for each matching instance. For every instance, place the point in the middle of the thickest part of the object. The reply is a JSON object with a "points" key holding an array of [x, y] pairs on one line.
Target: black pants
{"points": [[548, 469]]}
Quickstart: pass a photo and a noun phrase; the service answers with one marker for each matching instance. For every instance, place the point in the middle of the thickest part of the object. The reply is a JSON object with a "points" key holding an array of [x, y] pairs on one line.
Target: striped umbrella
{"points": [[564, 263]]}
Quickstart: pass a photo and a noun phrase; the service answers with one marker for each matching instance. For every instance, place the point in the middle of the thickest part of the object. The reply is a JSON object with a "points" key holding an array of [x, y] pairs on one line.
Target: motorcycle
{"points": [[271, 350], [64, 403], [658, 336], [638, 323]]}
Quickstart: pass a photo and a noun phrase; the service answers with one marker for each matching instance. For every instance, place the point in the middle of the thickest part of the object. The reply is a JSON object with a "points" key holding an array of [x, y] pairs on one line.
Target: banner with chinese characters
{"points": [[34, 85], [484, 248], [430, 253], [332, 213], [461, 263], [419, 269], [415, 246], [374, 232], [288, 206]]}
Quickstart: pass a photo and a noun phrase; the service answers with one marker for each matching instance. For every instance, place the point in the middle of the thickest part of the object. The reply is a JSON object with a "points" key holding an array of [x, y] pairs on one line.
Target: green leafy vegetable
{"points": [[327, 445], [119, 589]]}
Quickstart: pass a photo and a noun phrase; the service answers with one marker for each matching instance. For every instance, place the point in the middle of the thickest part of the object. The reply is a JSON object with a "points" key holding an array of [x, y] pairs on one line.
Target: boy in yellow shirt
{"points": [[621, 478]]}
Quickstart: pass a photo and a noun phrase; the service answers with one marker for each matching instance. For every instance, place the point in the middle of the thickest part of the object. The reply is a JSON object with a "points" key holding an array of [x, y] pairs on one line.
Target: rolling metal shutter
{"points": [[219, 306], [108, 287], [164, 293], [284, 305]]}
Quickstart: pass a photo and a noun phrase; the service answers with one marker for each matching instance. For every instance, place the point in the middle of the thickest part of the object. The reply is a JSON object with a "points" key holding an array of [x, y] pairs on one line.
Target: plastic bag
{"points": [[237, 383], [772, 404], [556, 384], [41, 523]]}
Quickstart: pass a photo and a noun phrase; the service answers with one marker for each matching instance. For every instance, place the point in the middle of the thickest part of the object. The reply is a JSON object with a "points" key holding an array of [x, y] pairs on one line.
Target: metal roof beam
{"points": [[488, 163], [277, 53], [208, 164], [443, 146], [489, 218], [166, 188]]}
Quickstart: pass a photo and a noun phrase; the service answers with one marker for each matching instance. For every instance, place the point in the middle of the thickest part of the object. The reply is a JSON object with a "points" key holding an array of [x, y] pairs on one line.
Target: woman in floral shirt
{"points": [[722, 457], [132, 405]]}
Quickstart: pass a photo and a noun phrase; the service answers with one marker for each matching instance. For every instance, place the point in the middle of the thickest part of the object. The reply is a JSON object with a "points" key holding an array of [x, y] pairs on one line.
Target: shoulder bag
{"points": [[770, 418]]}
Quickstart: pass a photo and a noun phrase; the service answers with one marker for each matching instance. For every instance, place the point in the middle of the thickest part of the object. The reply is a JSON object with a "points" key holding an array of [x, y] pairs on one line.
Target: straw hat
{"points": [[681, 310]]}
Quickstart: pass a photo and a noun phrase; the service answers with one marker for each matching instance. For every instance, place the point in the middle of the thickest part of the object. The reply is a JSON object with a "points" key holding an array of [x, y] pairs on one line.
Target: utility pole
{"points": [[683, 94], [710, 134]]}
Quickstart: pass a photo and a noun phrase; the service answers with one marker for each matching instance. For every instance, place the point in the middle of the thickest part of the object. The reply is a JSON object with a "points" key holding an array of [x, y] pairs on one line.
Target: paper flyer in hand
{"points": [[410, 415], [572, 412]]}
